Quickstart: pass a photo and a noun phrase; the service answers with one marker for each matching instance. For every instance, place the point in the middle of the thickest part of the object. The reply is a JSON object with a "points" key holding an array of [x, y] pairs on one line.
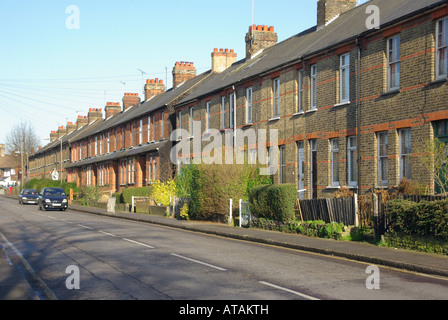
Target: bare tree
{"points": [[22, 131]]}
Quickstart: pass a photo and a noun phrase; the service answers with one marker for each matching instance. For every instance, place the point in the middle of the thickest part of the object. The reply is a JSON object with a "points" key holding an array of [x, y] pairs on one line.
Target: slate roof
{"points": [[346, 28], [144, 108]]}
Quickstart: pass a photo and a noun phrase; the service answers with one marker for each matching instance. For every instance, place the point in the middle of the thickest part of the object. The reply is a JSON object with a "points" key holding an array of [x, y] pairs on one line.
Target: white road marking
{"points": [[200, 262], [85, 227], [139, 243], [288, 290], [107, 233]]}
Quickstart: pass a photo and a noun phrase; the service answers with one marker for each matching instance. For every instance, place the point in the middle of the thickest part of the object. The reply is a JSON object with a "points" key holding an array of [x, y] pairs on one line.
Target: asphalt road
{"points": [[125, 260]]}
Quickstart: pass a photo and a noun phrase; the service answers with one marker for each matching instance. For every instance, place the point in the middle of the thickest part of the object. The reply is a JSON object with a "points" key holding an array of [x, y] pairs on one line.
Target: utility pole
{"points": [[61, 160], [21, 161]]}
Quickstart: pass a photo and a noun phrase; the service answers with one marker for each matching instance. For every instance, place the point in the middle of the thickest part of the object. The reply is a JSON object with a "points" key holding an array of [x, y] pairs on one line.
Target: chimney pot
{"points": [[257, 41]]}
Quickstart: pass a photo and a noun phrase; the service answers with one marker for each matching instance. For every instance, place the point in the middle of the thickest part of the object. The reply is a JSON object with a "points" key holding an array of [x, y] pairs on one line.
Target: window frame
{"points": [[344, 85], [249, 104], [276, 97], [300, 90], [439, 48], [334, 163], [191, 110], [223, 112], [352, 155], [394, 63], [282, 176], [404, 155], [231, 110], [383, 158], [207, 116], [313, 85]]}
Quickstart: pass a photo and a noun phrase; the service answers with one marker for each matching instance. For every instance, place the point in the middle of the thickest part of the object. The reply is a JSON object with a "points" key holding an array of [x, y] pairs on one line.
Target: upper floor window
{"points": [[249, 92], [301, 77], [223, 112], [393, 63], [344, 75], [276, 91], [140, 136], [442, 48], [163, 124], [191, 121], [313, 87], [207, 116], [231, 109]]}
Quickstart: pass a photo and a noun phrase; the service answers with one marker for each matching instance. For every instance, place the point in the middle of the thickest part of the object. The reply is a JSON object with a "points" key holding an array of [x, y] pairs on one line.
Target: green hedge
{"points": [[273, 202], [39, 184], [316, 228], [137, 192], [423, 219]]}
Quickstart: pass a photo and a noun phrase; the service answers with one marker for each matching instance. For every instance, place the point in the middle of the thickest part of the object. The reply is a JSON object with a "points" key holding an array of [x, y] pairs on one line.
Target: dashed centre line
{"points": [[107, 233], [139, 243], [199, 262]]}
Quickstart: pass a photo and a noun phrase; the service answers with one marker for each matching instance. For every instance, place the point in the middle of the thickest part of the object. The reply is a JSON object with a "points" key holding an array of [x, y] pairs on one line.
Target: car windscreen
{"points": [[54, 192]]}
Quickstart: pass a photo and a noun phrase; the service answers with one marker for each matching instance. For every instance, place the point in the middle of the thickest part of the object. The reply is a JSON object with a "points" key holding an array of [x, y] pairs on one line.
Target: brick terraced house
{"points": [[353, 105]]}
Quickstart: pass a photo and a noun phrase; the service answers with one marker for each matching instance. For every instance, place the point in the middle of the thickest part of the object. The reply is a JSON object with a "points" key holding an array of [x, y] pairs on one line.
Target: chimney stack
{"points": [[130, 100], [259, 38], [183, 71], [62, 131], [94, 114], [112, 108], [328, 10], [70, 127], [153, 87], [2, 150], [81, 122], [222, 59], [53, 136]]}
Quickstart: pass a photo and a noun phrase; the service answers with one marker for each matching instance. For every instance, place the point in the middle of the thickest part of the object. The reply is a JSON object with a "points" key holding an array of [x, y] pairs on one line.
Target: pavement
{"points": [[14, 284]]}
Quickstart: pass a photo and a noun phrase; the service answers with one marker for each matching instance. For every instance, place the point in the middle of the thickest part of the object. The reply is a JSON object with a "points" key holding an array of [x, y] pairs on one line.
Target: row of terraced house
{"points": [[352, 106]]}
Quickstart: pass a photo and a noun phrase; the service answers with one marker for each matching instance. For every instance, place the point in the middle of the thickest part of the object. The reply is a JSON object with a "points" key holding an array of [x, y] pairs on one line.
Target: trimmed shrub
{"points": [[273, 202], [137, 192], [422, 219], [39, 184]]}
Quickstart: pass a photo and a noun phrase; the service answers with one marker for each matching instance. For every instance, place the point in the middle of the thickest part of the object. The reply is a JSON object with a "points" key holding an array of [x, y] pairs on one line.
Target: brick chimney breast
{"points": [[81, 122], [94, 114], [328, 10], [130, 100], [259, 38], [70, 127], [153, 88], [111, 109], [53, 136], [183, 71], [222, 59]]}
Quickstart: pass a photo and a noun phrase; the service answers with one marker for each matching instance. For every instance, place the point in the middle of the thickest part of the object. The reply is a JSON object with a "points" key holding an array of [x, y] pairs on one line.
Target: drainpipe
{"points": [[234, 117], [358, 111]]}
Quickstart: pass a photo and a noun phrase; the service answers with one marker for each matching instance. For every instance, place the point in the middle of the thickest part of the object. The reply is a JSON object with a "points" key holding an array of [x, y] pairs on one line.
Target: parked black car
{"points": [[29, 196], [53, 198]]}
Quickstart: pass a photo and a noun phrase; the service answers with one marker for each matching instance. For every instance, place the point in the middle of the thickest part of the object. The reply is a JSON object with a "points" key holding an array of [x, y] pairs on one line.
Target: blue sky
{"points": [[50, 74]]}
